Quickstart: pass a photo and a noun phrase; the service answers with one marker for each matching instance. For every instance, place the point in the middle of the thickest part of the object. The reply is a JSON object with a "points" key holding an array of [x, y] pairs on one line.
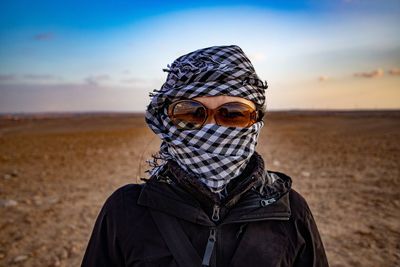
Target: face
{"points": [[216, 101]]}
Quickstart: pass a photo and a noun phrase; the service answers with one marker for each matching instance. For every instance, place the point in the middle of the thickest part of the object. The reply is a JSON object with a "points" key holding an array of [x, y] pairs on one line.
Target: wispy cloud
{"points": [[43, 36], [372, 74], [395, 72], [95, 80], [7, 77], [35, 97], [29, 77], [41, 77]]}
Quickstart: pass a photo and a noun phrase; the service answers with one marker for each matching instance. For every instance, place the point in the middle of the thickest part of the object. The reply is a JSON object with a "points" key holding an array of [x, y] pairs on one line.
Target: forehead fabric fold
{"points": [[218, 70]]}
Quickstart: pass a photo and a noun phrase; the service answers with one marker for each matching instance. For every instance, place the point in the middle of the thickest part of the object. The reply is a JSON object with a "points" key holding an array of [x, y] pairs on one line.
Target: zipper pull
{"points": [[215, 215], [266, 202], [212, 238]]}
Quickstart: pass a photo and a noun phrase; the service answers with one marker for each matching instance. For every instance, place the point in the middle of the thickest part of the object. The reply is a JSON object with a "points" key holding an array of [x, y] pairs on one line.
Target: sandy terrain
{"points": [[55, 174]]}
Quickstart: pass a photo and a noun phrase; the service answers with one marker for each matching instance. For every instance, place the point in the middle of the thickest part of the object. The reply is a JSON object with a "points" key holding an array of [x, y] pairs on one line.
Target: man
{"points": [[208, 201]]}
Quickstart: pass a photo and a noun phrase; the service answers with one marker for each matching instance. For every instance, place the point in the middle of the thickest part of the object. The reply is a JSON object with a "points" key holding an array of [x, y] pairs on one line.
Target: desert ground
{"points": [[56, 171]]}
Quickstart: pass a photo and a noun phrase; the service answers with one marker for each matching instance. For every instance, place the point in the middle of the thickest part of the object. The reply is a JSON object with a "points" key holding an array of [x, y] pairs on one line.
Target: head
{"points": [[209, 113]]}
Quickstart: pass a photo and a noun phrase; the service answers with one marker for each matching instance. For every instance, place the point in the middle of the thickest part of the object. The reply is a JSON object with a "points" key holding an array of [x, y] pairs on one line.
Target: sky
{"points": [[79, 56]]}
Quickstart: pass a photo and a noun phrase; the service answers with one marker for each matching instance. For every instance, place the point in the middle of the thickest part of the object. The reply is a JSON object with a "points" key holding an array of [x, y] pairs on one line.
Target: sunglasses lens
{"points": [[188, 114], [235, 114]]}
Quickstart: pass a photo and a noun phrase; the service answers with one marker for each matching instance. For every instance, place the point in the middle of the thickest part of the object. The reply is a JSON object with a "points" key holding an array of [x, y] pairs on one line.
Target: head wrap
{"points": [[215, 154]]}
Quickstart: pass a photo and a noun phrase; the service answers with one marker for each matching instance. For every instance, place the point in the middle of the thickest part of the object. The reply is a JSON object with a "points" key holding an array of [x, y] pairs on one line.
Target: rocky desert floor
{"points": [[57, 171]]}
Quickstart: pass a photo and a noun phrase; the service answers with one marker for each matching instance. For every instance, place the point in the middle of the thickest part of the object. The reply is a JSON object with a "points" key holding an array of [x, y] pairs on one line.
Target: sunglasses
{"points": [[192, 114]]}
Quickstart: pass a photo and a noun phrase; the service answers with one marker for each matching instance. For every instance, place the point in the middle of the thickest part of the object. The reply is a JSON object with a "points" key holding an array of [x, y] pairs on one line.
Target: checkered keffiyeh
{"points": [[215, 154]]}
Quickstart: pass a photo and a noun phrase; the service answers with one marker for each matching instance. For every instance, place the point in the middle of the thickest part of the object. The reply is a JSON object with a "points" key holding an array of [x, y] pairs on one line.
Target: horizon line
{"points": [[105, 112]]}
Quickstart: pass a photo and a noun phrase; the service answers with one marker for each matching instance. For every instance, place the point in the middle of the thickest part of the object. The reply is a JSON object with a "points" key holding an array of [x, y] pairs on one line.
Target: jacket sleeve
{"points": [[103, 248], [312, 252]]}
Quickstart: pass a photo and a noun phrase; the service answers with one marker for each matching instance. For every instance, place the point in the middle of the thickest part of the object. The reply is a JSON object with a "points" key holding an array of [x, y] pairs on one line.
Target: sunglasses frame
{"points": [[254, 115]]}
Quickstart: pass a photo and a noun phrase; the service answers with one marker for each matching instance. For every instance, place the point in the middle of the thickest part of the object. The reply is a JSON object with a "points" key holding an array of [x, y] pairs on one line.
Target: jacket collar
{"points": [[252, 175], [254, 195]]}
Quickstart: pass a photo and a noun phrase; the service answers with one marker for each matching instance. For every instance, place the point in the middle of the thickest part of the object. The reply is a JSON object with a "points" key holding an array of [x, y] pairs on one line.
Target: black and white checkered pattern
{"points": [[216, 154]]}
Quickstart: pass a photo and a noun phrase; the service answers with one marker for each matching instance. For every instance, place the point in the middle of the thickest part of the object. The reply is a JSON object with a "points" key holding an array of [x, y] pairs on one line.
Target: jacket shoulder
{"points": [[114, 230], [312, 252], [299, 206], [123, 197]]}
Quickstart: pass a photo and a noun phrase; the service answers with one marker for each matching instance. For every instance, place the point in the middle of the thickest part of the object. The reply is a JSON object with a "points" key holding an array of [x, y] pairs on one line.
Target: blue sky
{"points": [[108, 55]]}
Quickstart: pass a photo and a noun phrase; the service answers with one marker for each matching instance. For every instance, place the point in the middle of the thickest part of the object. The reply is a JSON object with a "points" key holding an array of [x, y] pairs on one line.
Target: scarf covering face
{"points": [[215, 154]]}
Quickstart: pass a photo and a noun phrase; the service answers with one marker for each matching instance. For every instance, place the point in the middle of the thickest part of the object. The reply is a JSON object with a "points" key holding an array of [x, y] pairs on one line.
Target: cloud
{"points": [[323, 78], [7, 77], [373, 74], [394, 72], [29, 77], [95, 80], [27, 97], [41, 77], [43, 36]]}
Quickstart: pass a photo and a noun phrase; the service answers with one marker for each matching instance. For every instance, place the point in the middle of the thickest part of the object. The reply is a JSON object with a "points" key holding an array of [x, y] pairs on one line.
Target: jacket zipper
{"points": [[257, 220], [261, 203], [215, 215], [212, 238]]}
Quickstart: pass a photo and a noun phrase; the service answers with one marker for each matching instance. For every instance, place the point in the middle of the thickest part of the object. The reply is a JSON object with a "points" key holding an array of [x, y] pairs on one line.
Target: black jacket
{"points": [[261, 222]]}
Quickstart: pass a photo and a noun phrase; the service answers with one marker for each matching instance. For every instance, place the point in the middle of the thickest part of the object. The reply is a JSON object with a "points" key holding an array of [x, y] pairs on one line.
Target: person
{"points": [[209, 200]]}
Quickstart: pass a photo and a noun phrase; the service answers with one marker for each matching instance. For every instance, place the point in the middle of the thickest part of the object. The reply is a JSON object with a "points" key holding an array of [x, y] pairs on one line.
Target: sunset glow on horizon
{"points": [[107, 56]]}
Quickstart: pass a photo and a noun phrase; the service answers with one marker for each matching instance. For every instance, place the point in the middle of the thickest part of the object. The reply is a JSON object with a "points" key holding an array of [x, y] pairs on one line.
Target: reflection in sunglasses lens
{"points": [[233, 114], [192, 115], [189, 114]]}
